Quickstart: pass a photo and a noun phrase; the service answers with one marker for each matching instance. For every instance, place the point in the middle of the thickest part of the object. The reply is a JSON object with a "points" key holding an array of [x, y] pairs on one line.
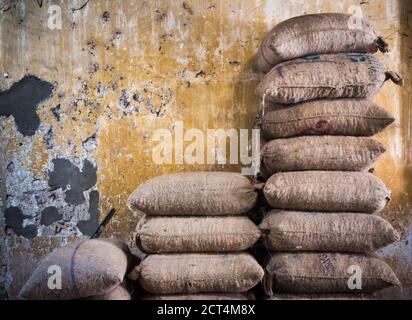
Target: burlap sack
{"points": [[118, 293], [195, 194], [332, 191], [325, 273], [317, 34], [347, 117], [320, 153], [345, 75], [210, 296], [196, 234], [313, 231], [199, 273], [88, 268]]}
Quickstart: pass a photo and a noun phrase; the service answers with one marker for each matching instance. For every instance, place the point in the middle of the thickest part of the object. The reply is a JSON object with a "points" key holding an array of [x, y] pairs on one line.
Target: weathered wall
{"points": [[116, 71]]}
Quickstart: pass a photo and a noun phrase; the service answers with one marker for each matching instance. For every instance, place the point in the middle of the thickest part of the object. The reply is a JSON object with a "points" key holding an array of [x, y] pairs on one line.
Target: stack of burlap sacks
{"points": [[196, 233], [318, 121]]}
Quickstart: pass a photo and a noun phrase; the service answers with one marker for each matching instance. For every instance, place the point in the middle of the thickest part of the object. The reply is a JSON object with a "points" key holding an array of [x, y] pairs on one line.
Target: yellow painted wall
{"points": [[192, 59]]}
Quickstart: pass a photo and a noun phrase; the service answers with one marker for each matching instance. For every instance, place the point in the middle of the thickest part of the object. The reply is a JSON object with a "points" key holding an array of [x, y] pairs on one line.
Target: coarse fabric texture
{"points": [[196, 234], [332, 76], [317, 34], [88, 268], [199, 273], [325, 273], [194, 194], [118, 293], [210, 296], [326, 232], [285, 296], [132, 260], [342, 117], [331, 191], [336, 153]]}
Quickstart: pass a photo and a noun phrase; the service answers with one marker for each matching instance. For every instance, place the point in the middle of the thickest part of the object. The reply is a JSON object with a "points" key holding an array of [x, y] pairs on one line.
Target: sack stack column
{"points": [[318, 120], [196, 233]]}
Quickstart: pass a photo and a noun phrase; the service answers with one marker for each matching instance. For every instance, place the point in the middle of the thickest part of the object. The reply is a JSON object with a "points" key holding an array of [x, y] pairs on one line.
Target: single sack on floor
{"points": [[326, 273], [196, 234], [331, 191], [337, 153], [343, 117], [334, 232], [199, 273], [345, 75], [87, 268], [317, 34], [195, 194]]}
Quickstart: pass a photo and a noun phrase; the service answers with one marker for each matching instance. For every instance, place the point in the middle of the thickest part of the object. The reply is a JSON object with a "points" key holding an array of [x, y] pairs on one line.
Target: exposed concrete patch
{"points": [[67, 176], [50, 215], [21, 102], [90, 143], [15, 220], [48, 139], [89, 226], [57, 112]]}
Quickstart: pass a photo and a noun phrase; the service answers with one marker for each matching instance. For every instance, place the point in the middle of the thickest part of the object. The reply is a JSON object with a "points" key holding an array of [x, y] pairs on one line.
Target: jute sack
{"points": [[199, 273], [210, 296], [317, 34], [313, 231], [347, 117], [196, 234], [332, 191], [195, 194], [325, 273], [349, 75], [336, 153], [118, 293], [88, 268]]}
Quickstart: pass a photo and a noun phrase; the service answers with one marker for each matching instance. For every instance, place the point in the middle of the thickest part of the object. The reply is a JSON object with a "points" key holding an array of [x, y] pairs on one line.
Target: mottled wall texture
{"points": [[79, 105]]}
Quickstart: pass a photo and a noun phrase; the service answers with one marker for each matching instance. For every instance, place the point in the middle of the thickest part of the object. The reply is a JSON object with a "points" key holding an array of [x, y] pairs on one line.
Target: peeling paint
{"points": [[74, 182], [21, 101], [15, 220]]}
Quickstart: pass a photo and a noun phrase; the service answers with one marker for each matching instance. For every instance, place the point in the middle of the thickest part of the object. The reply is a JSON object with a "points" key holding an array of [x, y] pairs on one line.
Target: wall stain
{"points": [[14, 219], [21, 102], [50, 215], [68, 176]]}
